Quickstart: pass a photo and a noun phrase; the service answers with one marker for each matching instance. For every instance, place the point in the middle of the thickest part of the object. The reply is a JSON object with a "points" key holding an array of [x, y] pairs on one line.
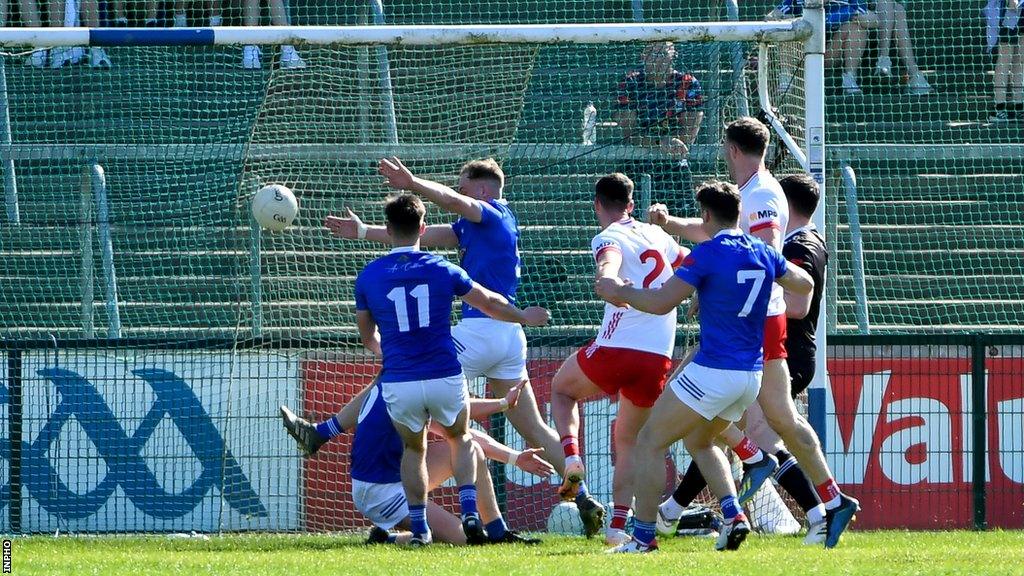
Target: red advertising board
{"points": [[899, 438]]}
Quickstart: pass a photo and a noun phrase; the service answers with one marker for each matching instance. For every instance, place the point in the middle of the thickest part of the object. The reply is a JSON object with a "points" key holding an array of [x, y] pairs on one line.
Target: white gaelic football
{"points": [[274, 207], [565, 519]]}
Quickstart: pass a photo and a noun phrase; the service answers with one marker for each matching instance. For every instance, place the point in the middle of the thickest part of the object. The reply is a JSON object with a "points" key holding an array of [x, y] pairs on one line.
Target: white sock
{"points": [[287, 52], [816, 514], [670, 508], [573, 460], [216, 20], [832, 504]]}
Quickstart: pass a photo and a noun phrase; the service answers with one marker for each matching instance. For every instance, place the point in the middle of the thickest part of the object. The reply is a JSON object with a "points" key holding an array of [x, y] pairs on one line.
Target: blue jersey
{"points": [[490, 251], [409, 294], [377, 447], [733, 274]]}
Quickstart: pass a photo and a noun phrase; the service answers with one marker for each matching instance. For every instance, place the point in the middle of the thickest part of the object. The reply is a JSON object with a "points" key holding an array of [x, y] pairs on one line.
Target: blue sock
{"points": [[392, 539], [418, 518], [730, 507], [643, 531], [496, 529], [583, 490], [467, 499], [329, 428]]}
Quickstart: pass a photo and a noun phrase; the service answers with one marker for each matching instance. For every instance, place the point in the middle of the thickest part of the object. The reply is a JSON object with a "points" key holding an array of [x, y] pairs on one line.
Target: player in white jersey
{"points": [[765, 214], [631, 356]]}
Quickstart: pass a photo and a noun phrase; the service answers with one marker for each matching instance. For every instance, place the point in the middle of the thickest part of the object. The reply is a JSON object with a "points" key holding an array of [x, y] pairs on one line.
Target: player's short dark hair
{"points": [[484, 169], [404, 213], [722, 199], [614, 191], [802, 192], [749, 134]]}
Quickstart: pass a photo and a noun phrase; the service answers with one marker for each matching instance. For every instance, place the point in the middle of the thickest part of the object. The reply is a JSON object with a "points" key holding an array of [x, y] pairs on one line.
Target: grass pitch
{"points": [[868, 553]]}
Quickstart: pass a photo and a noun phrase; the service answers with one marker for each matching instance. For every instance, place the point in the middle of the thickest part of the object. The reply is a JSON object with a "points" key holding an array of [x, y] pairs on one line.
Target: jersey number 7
{"points": [[744, 276]]}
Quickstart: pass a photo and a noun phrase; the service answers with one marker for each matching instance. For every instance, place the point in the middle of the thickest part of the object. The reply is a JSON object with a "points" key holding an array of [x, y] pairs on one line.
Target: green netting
{"points": [[185, 137]]}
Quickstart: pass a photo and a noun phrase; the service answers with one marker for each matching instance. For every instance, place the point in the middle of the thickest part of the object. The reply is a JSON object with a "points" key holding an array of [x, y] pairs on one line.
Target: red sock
{"points": [[746, 449], [619, 515], [828, 491], [570, 446]]}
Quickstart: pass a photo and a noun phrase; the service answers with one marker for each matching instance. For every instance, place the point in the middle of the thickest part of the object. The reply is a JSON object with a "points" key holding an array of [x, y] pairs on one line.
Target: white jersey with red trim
{"points": [[763, 205], [648, 257]]}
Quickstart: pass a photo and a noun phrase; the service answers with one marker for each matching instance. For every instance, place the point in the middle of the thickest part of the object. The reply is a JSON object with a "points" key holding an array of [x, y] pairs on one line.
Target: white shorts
{"points": [[383, 504], [491, 348], [412, 404], [715, 393]]}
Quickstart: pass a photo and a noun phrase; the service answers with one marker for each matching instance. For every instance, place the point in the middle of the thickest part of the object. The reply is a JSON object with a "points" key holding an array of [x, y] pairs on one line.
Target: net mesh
{"points": [[184, 138]]}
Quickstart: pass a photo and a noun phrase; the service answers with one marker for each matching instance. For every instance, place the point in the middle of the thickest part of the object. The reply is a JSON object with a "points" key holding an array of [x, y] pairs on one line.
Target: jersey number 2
{"points": [[422, 295], [744, 276], [659, 266]]}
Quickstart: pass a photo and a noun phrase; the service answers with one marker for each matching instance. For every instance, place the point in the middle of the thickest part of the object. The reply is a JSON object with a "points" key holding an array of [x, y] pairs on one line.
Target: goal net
{"points": [[127, 194]]}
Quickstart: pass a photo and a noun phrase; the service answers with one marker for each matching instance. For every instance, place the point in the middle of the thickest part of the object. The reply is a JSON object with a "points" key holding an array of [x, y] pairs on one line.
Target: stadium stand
{"points": [[942, 247]]}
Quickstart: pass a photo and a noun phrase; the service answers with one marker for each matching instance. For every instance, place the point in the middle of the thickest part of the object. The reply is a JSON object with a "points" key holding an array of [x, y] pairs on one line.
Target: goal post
{"points": [[232, 321]]}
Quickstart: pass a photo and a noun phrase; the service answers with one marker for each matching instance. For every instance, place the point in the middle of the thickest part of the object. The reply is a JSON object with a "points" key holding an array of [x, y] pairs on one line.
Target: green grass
{"points": [[869, 553]]}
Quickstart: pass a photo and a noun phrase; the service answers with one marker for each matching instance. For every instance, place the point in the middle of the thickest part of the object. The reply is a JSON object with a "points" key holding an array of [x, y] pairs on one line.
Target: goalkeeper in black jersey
{"points": [[805, 247]]}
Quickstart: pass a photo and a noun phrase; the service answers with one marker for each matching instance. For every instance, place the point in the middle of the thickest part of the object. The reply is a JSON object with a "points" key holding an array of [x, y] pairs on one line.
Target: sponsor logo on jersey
{"points": [[768, 214]]}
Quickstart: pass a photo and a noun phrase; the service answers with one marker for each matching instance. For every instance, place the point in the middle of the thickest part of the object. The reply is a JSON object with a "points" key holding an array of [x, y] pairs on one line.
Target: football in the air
{"points": [[274, 207], [565, 519]]}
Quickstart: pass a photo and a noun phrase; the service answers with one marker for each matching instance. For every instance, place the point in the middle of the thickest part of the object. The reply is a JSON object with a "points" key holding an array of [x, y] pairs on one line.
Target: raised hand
{"points": [[512, 398], [344, 227], [395, 174], [657, 214], [530, 461]]}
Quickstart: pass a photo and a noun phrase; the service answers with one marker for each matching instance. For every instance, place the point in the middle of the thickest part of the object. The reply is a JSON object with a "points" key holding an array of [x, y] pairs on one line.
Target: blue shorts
{"points": [[836, 17]]}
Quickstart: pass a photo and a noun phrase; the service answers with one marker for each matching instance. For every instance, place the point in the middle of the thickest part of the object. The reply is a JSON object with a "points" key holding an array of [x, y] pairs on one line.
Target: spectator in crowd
{"points": [[29, 17], [180, 17], [278, 17], [89, 11], [847, 23], [1005, 19], [892, 25], [660, 107]]}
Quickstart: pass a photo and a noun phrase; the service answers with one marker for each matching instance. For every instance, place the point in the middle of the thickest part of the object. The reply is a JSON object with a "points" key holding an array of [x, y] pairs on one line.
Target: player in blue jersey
{"points": [[403, 309], [376, 477], [487, 236], [733, 273]]}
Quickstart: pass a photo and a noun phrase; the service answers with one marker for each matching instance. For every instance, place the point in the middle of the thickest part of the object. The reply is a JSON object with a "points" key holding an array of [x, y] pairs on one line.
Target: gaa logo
{"points": [[122, 454]]}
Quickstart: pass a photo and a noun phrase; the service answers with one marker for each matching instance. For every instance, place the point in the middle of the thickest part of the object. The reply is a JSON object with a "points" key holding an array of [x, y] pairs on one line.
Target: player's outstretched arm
{"points": [[528, 460], [353, 228], [368, 332], [496, 306], [796, 280], [397, 176], [480, 408], [660, 301], [689, 229]]}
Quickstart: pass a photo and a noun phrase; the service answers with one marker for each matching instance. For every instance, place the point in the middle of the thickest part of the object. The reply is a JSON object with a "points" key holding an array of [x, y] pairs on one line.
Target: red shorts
{"points": [[775, 338], [639, 376]]}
